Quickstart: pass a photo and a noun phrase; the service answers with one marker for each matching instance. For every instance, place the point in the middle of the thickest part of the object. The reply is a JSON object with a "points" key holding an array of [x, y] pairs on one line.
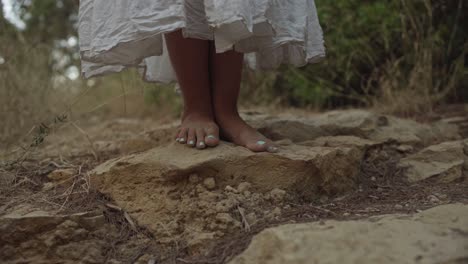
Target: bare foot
{"points": [[239, 132], [198, 130]]}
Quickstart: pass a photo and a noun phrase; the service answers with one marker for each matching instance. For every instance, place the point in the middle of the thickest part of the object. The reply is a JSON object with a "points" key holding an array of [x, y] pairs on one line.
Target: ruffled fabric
{"points": [[118, 34]]}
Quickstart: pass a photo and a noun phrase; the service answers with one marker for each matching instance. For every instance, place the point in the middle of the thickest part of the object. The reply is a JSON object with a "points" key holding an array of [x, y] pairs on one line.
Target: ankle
{"points": [[190, 113], [224, 113]]}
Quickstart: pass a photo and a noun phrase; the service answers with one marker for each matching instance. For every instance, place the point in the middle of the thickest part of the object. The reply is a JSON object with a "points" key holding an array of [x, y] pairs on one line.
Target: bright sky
{"points": [[11, 15]]}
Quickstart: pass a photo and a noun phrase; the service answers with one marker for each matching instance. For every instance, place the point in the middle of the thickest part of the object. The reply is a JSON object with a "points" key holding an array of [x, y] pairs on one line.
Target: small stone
{"points": [[199, 188], [324, 199], [346, 214], [244, 186], [398, 206], [61, 175], [373, 178], [193, 178], [209, 183], [48, 186], [230, 189], [224, 218], [276, 212], [405, 148], [251, 218], [433, 199], [247, 194], [277, 195]]}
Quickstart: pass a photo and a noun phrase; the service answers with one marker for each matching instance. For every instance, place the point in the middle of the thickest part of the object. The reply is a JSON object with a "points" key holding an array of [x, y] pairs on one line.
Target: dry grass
{"points": [[413, 84]]}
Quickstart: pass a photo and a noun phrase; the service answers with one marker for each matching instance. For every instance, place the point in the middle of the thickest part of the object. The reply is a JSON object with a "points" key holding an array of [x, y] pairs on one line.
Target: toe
{"points": [[262, 145], [191, 138], [201, 144], [212, 137], [177, 135], [183, 135]]}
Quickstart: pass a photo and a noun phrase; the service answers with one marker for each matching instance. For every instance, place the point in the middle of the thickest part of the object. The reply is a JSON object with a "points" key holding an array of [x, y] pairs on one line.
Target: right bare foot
{"points": [[198, 130], [239, 132]]}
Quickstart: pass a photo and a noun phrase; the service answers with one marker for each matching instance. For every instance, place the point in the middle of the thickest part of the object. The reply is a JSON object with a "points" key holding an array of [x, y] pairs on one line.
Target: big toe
{"points": [[211, 140], [262, 146], [212, 137]]}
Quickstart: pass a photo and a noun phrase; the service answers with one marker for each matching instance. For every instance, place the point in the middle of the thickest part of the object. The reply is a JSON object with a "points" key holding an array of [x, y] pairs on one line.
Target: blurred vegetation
{"points": [[401, 56]]}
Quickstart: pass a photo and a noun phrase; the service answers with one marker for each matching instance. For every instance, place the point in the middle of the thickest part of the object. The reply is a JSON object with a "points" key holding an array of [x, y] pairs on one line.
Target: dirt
{"points": [[151, 207]]}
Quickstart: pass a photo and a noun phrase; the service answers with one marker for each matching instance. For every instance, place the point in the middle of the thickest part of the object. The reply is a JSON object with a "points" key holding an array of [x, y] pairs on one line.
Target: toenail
{"points": [[261, 142], [177, 139], [272, 149], [211, 136], [201, 144], [191, 142], [182, 140]]}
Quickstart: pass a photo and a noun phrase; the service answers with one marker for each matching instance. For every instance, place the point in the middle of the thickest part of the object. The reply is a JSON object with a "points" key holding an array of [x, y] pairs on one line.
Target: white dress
{"points": [[116, 34]]}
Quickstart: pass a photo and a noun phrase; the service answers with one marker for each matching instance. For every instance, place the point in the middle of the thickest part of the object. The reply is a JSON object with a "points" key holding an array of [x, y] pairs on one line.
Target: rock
{"points": [[443, 161], [358, 123], [231, 189], [40, 237], [434, 236], [243, 187], [277, 195], [340, 141], [193, 178], [61, 175], [153, 184], [405, 148], [209, 183]]}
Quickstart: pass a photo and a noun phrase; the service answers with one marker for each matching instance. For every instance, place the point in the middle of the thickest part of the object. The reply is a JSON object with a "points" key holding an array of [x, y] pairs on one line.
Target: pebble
{"points": [[398, 206], [230, 189], [251, 218], [209, 183], [276, 212], [244, 186], [405, 148], [277, 194], [193, 178], [433, 199]]}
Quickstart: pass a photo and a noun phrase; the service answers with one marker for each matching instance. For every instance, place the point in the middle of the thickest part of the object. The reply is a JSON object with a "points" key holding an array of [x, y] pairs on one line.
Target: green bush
{"points": [[381, 50]]}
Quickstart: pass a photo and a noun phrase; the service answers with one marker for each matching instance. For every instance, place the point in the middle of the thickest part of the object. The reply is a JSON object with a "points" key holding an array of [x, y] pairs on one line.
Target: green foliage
{"points": [[376, 46]]}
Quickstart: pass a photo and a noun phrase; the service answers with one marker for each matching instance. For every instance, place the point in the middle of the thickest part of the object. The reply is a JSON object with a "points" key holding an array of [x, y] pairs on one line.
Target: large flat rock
{"points": [[446, 162], [360, 123], [180, 193], [40, 237], [438, 235], [299, 168]]}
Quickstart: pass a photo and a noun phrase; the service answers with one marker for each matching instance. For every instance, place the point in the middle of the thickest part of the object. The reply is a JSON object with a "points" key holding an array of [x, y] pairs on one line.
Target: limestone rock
{"points": [[300, 168], [340, 141], [359, 123], [444, 161], [39, 237], [154, 187], [434, 236]]}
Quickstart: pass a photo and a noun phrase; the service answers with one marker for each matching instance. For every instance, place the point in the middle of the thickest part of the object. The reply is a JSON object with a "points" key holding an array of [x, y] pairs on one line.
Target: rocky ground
{"points": [[347, 187]]}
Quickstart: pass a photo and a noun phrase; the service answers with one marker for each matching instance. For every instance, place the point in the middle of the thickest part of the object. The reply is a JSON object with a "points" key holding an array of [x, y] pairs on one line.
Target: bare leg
{"points": [[190, 59], [226, 73]]}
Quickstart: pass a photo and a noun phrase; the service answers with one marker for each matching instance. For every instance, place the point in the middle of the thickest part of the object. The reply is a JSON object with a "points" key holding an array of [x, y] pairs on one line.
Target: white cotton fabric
{"points": [[117, 34]]}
